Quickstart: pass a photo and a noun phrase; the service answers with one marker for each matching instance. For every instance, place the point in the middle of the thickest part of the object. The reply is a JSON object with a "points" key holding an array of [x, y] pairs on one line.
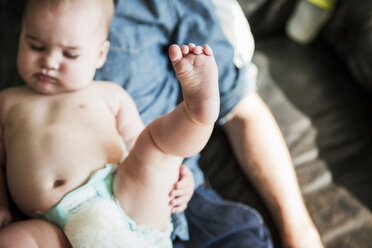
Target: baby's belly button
{"points": [[58, 183]]}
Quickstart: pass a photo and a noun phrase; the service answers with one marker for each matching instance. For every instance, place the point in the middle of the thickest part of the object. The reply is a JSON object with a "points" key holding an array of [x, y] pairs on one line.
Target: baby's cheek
{"points": [[78, 75], [25, 68]]}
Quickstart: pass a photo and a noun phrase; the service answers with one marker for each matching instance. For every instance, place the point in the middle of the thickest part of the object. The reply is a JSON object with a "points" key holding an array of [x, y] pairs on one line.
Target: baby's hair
{"points": [[107, 7]]}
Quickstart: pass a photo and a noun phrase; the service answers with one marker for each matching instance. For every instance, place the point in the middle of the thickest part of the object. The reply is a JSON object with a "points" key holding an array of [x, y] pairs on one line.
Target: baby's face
{"points": [[60, 49]]}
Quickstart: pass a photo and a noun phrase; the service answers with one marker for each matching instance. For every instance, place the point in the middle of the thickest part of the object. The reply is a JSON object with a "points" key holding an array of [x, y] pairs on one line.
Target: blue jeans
{"points": [[217, 223]]}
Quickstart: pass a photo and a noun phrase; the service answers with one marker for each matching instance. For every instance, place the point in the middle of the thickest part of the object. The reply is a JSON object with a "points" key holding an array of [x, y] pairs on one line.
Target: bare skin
{"points": [[63, 126], [263, 156], [149, 168], [85, 124], [33, 233], [182, 191], [40, 130]]}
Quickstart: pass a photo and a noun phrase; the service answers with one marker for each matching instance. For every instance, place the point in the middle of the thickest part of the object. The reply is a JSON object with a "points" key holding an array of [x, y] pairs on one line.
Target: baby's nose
{"points": [[51, 61]]}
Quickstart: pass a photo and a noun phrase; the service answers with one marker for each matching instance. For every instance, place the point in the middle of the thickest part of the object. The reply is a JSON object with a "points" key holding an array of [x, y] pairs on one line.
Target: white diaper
{"points": [[92, 218]]}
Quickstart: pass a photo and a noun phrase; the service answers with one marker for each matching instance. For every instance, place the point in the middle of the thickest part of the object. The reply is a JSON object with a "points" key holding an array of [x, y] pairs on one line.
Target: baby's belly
{"points": [[45, 165]]}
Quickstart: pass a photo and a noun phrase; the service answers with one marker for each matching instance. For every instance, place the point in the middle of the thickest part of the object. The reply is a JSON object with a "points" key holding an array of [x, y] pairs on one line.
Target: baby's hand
{"points": [[182, 190], [5, 216]]}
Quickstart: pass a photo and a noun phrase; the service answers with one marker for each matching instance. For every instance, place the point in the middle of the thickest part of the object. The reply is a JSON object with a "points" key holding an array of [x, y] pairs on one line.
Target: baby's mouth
{"points": [[45, 78]]}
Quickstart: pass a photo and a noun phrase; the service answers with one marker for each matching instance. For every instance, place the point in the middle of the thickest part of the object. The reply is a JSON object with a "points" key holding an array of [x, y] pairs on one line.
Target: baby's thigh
{"points": [[143, 192], [33, 233]]}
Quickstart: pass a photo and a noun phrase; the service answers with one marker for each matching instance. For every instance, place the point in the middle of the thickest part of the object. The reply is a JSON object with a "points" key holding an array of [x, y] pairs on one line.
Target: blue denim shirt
{"points": [[140, 35]]}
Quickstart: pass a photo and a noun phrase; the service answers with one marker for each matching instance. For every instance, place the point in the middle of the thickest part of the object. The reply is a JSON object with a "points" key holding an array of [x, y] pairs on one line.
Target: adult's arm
{"points": [[262, 154]]}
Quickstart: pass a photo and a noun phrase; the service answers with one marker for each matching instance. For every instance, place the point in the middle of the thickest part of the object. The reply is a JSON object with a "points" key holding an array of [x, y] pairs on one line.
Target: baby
{"points": [[62, 134]]}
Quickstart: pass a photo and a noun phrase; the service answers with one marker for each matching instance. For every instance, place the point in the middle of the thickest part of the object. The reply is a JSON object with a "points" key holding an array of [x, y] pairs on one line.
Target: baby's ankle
{"points": [[203, 113]]}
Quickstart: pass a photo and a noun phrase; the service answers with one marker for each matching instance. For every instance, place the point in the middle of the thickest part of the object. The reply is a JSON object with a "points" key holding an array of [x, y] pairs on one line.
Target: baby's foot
{"points": [[196, 70]]}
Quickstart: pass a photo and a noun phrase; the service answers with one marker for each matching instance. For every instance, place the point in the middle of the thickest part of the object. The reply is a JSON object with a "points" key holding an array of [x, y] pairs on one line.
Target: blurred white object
{"points": [[308, 18], [236, 29]]}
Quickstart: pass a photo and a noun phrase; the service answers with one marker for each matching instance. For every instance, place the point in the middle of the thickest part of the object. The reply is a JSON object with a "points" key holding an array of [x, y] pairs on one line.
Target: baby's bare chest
{"points": [[56, 139], [54, 109], [56, 122]]}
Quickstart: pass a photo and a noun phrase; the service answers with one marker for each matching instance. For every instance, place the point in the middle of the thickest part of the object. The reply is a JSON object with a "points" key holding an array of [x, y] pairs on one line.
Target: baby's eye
{"points": [[70, 55], [36, 47]]}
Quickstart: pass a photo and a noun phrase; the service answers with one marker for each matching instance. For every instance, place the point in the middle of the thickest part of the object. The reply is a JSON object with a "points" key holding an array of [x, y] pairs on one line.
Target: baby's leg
{"points": [[185, 131], [32, 233], [142, 188], [145, 178]]}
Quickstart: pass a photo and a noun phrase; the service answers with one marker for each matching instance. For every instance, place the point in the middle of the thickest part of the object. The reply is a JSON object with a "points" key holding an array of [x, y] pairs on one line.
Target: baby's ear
{"points": [[105, 46]]}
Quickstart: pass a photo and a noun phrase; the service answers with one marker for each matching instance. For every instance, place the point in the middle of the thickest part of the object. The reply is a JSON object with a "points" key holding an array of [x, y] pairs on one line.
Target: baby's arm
{"points": [[128, 120], [5, 215]]}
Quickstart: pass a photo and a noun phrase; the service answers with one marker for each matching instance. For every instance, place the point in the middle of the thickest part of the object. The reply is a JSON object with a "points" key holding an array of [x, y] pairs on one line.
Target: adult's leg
{"points": [[34, 233], [227, 178]]}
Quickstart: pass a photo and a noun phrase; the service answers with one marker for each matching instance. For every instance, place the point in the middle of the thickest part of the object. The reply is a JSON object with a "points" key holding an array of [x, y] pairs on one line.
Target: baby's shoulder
{"points": [[12, 92], [106, 85], [113, 94], [108, 88], [11, 96]]}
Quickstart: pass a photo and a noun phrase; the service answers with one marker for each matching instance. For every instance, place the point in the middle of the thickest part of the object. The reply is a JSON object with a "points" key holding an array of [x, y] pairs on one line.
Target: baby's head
{"points": [[63, 43]]}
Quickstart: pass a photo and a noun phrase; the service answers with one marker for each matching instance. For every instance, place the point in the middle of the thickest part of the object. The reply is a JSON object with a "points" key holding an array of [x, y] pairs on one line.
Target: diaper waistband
{"points": [[98, 185]]}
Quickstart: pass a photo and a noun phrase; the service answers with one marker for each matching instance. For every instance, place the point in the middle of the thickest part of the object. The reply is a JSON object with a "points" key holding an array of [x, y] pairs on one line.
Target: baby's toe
{"points": [[175, 53], [191, 46], [207, 50], [197, 50], [185, 50]]}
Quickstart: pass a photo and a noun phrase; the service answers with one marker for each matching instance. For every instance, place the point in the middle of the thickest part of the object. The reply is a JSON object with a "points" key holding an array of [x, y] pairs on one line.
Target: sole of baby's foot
{"points": [[197, 72]]}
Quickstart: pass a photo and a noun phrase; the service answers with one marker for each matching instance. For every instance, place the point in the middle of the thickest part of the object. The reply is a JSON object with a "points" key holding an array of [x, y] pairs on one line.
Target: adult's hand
{"points": [[182, 191]]}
